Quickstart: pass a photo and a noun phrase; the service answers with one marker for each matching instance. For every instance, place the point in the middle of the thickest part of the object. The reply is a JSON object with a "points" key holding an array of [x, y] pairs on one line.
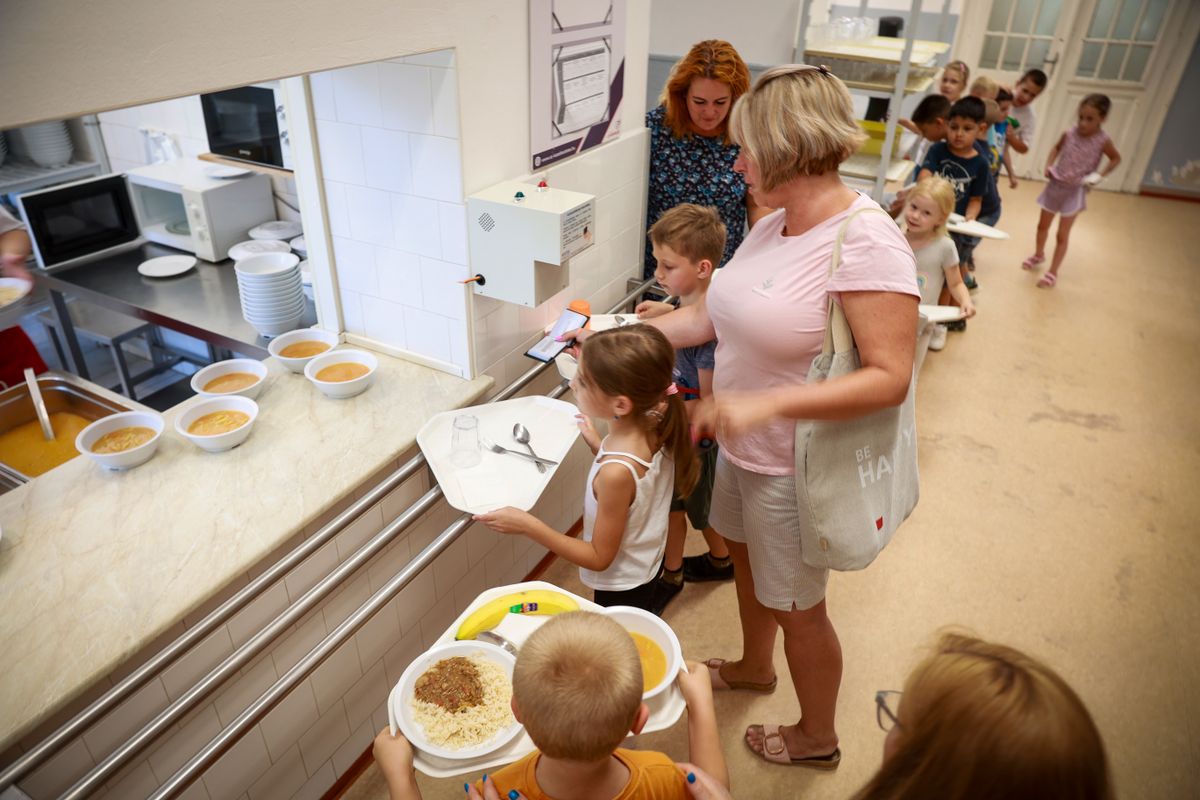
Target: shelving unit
{"points": [[89, 159], [883, 67]]}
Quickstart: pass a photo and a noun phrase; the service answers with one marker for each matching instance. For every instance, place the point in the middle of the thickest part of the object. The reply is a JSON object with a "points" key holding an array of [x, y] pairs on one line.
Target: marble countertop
{"points": [[96, 564]]}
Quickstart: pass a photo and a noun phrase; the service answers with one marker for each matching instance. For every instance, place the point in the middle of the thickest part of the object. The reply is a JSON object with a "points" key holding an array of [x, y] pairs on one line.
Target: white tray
{"points": [[941, 313], [665, 709], [499, 479], [958, 224]]}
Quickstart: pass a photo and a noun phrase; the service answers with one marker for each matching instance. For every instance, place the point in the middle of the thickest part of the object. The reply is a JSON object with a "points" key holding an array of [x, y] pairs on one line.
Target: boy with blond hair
{"points": [[687, 242], [577, 689]]}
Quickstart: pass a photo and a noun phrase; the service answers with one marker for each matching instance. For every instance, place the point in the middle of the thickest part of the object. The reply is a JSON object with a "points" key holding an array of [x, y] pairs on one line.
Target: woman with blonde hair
{"points": [[982, 721], [768, 313], [691, 155]]}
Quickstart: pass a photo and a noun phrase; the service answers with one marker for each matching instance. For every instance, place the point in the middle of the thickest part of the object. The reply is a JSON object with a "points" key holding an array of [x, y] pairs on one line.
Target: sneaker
{"points": [[936, 342], [971, 283], [958, 326], [698, 569], [664, 593]]}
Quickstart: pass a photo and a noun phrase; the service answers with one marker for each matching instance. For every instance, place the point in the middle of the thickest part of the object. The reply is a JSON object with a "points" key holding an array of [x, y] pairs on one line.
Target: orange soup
{"points": [[654, 661], [26, 450], [231, 382], [218, 422], [123, 439], [303, 349], [345, 371]]}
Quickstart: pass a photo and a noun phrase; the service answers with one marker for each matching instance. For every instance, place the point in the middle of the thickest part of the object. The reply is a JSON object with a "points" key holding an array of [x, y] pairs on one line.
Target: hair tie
{"points": [[672, 389]]}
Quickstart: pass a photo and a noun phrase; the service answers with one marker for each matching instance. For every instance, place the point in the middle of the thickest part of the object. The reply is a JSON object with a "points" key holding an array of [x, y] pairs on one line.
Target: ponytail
{"points": [[675, 435]]}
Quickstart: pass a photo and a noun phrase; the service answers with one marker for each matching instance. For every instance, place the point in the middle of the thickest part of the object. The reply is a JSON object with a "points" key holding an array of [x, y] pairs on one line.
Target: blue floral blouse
{"points": [[694, 169]]}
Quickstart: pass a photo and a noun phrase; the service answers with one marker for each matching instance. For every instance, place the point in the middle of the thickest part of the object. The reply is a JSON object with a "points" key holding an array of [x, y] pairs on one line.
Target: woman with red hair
{"points": [[691, 154]]}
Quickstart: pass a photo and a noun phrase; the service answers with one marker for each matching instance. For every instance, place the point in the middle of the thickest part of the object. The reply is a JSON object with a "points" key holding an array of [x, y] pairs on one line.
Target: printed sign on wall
{"points": [[577, 76]]}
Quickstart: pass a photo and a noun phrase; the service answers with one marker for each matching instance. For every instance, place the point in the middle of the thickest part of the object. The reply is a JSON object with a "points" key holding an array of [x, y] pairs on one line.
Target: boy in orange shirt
{"points": [[577, 689]]}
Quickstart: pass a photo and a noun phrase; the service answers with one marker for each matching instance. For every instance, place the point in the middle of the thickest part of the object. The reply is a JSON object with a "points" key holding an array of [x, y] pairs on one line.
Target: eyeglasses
{"points": [[884, 714]]}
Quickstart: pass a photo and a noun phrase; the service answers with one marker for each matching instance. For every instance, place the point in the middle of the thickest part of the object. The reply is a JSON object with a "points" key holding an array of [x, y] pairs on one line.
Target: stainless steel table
{"points": [[203, 302]]}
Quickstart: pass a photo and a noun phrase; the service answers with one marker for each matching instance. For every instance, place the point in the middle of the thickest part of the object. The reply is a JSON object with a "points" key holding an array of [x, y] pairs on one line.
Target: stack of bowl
{"points": [[271, 293], [47, 144]]}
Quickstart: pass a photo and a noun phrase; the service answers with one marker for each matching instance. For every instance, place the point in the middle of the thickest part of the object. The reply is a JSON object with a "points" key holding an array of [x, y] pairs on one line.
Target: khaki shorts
{"points": [[760, 511]]}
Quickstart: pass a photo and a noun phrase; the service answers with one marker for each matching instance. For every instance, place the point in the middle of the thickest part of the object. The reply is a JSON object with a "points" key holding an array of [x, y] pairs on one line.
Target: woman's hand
{"points": [[700, 784], [490, 792], [507, 520], [739, 413], [649, 309], [12, 265]]}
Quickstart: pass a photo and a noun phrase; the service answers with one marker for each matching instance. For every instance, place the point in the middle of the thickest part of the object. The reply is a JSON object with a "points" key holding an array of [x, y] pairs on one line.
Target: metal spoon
{"points": [[39, 406], [521, 434]]}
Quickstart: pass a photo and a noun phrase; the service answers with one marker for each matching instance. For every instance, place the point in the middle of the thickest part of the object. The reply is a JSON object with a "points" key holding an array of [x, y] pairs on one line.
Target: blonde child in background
{"points": [[951, 86], [577, 690], [624, 376], [926, 209], [1071, 169], [984, 88], [688, 242]]}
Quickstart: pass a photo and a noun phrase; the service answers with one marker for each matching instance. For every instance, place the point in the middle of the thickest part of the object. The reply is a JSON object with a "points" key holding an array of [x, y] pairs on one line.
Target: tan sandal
{"points": [[714, 671], [774, 751]]}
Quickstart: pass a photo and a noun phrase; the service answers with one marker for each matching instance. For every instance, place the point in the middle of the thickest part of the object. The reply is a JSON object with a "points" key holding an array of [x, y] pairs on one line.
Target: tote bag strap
{"points": [[838, 336]]}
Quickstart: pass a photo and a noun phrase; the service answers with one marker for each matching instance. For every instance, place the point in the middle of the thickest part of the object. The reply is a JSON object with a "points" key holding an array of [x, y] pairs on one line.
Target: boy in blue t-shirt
{"points": [[961, 160], [688, 241]]}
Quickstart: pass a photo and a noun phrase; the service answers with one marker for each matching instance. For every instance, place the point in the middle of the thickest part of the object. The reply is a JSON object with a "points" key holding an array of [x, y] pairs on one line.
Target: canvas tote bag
{"points": [[856, 480]]}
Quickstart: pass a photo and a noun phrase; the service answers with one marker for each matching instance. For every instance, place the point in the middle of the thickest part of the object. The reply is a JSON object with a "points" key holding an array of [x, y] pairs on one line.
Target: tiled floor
{"points": [[1060, 445]]}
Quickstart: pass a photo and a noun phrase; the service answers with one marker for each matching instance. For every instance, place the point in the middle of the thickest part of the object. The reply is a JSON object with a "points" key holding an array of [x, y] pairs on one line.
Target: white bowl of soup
{"points": [[234, 376], [658, 647], [121, 441], [295, 349], [217, 424], [342, 373]]}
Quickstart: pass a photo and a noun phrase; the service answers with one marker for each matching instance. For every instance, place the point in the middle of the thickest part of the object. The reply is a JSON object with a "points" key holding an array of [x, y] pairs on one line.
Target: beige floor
{"points": [[1060, 447]]}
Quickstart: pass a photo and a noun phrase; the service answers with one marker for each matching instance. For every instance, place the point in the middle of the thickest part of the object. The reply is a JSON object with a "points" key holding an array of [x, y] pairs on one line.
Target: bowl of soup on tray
{"points": [[295, 349], [235, 376], [657, 645], [121, 441], [342, 373], [218, 423]]}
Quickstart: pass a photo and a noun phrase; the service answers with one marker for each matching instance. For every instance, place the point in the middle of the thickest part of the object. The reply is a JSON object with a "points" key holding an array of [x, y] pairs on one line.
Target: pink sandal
{"points": [[1032, 262], [774, 751], [1047, 281]]}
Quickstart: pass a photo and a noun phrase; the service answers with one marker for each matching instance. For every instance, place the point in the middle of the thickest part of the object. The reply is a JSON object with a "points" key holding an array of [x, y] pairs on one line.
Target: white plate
{"points": [[256, 247], [603, 322], [16, 283], [941, 313], [412, 730], [501, 479], [665, 708], [298, 244], [958, 224], [276, 229], [224, 173], [166, 266]]}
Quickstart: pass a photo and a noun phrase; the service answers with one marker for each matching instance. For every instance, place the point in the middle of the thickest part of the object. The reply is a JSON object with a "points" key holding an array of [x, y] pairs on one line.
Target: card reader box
{"points": [[522, 239]]}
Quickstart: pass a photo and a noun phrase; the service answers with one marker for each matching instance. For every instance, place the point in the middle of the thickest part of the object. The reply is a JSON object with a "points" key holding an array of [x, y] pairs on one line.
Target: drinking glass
{"points": [[464, 441]]}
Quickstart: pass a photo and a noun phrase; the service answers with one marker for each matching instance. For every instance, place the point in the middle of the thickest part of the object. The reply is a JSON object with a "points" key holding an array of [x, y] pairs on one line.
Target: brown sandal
{"points": [[719, 683], [774, 751]]}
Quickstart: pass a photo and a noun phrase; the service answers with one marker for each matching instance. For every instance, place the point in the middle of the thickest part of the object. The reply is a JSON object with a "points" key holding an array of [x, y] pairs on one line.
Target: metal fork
{"points": [[495, 448]]}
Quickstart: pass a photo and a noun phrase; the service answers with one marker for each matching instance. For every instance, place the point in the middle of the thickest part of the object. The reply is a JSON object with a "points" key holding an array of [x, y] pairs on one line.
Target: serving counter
{"points": [[94, 565]]}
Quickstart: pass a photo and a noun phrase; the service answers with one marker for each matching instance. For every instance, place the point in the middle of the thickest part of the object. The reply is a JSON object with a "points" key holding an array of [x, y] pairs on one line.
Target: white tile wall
{"points": [[388, 140]]}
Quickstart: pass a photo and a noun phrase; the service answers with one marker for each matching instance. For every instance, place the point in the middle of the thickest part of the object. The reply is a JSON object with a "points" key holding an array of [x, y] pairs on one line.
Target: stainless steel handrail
{"points": [[244, 654]]}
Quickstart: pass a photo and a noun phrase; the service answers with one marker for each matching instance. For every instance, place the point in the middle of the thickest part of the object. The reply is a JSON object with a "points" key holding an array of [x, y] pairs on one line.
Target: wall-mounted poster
{"points": [[577, 75]]}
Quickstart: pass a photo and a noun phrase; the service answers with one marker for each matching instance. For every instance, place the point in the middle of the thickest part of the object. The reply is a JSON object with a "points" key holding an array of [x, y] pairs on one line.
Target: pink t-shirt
{"points": [[769, 305]]}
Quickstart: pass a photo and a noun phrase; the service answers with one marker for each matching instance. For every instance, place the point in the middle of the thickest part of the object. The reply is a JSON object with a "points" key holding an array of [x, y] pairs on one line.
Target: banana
{"points": [[534, 601]]}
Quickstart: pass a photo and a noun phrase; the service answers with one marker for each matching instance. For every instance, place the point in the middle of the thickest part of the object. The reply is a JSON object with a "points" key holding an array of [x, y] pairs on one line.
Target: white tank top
{"points": [[645, 536]]}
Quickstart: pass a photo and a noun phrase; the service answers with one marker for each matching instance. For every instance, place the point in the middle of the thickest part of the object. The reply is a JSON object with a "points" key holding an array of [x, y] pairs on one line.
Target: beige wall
{"points": [[75, 58]]}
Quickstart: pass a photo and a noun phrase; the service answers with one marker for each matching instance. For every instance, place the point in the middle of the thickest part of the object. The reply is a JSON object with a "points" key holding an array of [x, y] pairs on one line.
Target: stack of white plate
{"points": [[271, 293], [47, 144]]}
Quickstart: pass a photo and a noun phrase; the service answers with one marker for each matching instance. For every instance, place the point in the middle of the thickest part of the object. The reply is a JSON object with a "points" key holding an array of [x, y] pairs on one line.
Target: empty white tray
{"points": [[665, 708], [941, 313], [958, 224], [500, 479]]}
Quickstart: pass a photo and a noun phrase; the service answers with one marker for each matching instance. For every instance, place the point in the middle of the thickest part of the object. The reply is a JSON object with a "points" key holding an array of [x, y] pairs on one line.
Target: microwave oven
{"points": [[175, 204], [248, 123]]}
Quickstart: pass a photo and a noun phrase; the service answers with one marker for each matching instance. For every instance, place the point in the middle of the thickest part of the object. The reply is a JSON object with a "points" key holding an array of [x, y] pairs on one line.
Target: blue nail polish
{"points": [[484, 779], [691, 777], [467, 788], [513, 794]]}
